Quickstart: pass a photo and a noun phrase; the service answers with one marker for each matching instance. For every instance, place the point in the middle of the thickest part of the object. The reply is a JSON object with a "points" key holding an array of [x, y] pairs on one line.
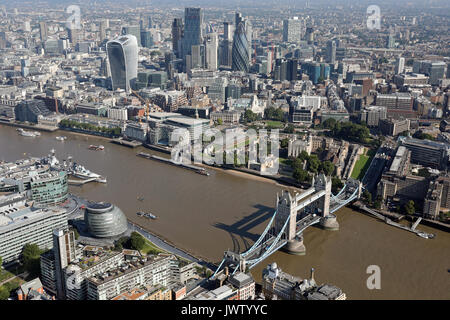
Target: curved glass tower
{"points": [[123, 61], [241, 45]]}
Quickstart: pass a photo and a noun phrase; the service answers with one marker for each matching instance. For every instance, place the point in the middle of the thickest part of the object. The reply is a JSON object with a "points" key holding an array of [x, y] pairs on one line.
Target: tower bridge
{"points": [[293, 215]]}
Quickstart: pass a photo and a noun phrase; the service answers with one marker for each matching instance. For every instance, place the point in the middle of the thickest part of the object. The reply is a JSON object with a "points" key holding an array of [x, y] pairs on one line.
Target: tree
{"points": [[367, 195], [329, 123], [409, 207], [377, 204], [313, 164], [250, 116], [4, 293], [327, 167], [303, 155], [1, 261], [137, 241], [31, 254], [77, 235], [336, 185], [219, 121], [297, 164], [289, 128], [284, 143], [300, 175]]}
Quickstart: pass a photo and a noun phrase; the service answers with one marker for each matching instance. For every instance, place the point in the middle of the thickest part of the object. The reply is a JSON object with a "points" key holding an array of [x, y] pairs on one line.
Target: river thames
{"points": [[208, 215]]}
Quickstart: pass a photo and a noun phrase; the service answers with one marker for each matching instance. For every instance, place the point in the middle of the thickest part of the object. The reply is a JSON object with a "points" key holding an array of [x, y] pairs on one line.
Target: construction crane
{"points": [[147, 105]]}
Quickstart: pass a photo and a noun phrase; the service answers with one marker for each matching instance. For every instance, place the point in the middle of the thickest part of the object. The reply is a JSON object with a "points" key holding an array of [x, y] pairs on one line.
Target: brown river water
{"points": [[208, 215]]}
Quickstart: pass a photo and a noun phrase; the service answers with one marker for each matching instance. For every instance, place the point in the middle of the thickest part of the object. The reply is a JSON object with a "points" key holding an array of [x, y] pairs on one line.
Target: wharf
{"points": [[196, 169], [395, 224], [128, 143]]}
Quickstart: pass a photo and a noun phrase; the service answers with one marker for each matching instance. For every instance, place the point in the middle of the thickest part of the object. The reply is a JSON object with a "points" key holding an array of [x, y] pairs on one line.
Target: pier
{"points": [[82, 182], [128, 143], [398, 225], [196, 169]]}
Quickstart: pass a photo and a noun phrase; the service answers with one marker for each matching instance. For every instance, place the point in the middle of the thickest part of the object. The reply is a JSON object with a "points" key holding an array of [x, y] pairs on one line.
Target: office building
{"points": [[105, 220], [146, 39], [241, 45], [372, 115], [393, 127], [123, 61], [102, 30], [30, 110], [331, 52], [43, 31], [427, 153], [399, 104], [73, 36], [193, 23], [397, 181], [432, 201], [133, 30], [2, 40], [177, 36], [399, 65], [292, 30], [390, 41], [435, 70], [29, 225], [211, 48], [49, 188], [227, 31]]}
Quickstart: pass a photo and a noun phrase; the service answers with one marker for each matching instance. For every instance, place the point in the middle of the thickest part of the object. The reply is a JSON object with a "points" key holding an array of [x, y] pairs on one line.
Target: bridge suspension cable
{"points": [[217, 270], [266, 253], [261, 238]]}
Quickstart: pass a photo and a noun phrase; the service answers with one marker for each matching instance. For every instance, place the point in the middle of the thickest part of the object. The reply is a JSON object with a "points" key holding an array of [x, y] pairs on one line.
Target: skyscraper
{"points": [[292, 30], [197, 56], [64, 253], [225, 53], [399, 65], [193, 21], [211, 44], [102, 30], [133, 30], [2, 40], [123, 61], [241, 45], [390, 41], [43, 31], [177, 35], [310, 35], [331, 51], [227, 31], [146, 39], [73, 36]]}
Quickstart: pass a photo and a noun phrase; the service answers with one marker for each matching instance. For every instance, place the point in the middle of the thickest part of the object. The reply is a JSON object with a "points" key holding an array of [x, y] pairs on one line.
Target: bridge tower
{"points": [[328, 220], [287, 207]]}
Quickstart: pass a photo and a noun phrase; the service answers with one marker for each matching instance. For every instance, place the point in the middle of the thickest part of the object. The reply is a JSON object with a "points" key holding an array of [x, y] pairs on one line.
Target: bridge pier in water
{"points": [[293, 215]]}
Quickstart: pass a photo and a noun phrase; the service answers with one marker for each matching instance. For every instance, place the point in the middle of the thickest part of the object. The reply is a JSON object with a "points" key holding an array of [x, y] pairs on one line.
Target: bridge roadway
{"points": [[269, 242]]}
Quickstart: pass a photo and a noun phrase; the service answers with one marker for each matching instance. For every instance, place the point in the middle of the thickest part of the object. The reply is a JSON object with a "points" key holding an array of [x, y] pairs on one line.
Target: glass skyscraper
{"points": [[193, 21], [241, 45], [123, 61]]}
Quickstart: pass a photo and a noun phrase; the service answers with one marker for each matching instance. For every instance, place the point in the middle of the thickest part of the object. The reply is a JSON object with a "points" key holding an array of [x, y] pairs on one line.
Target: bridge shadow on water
{"points": [[240, 230]]}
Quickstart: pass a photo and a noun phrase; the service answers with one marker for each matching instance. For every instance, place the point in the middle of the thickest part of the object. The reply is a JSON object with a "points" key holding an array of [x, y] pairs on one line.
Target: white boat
{"points": [[61, 138], [94, 147], [81, 172], [28, 133], [149, 215]]}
